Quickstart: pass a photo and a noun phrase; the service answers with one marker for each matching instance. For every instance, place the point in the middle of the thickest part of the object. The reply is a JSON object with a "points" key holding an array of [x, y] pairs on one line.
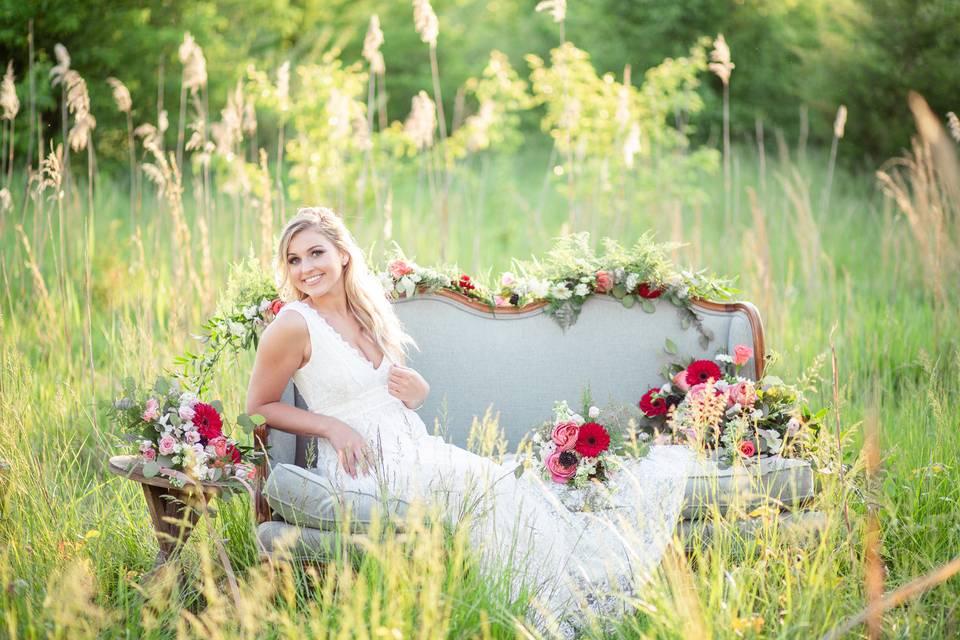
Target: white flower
{"points": [[507, 279], [577, 418], [644, 436], [264, 305], [192, 437], [560, 292], [581, 290], [237, 329], [722, 385], [594, 412], [539, 288], [251, 312], [757, 414], [186, 412], [666, 388], [632, 281], [723, 357]]}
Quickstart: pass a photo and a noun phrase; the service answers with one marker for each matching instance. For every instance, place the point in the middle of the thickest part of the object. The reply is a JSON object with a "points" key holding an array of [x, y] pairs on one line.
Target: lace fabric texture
{"points": [[576, 560]]}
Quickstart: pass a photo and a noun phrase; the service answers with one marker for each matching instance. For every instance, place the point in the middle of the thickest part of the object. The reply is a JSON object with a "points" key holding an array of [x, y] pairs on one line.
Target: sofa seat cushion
{"points": [[796, 527], [307, 499], [776, 482], [281, 539]]}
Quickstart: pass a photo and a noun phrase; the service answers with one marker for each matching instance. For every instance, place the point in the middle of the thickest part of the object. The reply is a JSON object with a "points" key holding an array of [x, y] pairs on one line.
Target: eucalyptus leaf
{"points": [[670, 347], [161, 386], [245, 423], [772, 381], [619, 291], [628, 301], [150, 469], [518, 471], [648, 306], [685, 322], [258, 419], [704, 342], [216, 404]]}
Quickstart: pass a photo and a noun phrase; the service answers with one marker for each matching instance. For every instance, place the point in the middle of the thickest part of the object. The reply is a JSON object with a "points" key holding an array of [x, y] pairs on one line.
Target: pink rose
{"points": [[743, 393], [560, 472], [604, 282], [219, 446], [152, 411], [500, 301], [166, 445], [186, 412], [747, 449], [399, 268], [192, 436], [741, 353], [149, 454], [507, 280], [680, 381], [565, 435], [275, 306]]}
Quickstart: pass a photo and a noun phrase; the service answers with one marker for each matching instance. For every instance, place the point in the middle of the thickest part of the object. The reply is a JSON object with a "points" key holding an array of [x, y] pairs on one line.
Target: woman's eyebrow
{"points": [[316, 246]]}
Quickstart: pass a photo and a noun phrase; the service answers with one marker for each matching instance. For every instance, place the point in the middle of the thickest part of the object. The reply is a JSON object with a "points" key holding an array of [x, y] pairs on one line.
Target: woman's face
{"points": [[315, 265]]}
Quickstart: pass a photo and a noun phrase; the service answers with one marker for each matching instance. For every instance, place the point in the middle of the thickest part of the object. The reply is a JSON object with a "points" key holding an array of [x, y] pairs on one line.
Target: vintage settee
{"points": [[520, 361]]}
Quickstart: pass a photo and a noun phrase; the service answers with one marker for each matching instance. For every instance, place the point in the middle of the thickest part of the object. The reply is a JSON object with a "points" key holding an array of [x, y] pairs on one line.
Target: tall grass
{"points": [[871, 280]]}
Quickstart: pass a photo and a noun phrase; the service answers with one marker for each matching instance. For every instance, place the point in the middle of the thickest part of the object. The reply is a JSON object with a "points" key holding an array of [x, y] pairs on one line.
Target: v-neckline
{"points": [[357, 351]]}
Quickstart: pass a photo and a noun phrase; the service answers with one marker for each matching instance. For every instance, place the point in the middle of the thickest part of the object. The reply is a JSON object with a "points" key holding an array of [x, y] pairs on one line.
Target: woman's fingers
{"points": [[347, 457]]}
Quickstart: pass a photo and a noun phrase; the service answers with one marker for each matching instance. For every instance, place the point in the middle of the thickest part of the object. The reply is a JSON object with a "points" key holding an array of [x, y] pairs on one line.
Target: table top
{"points": [[131, 467]]}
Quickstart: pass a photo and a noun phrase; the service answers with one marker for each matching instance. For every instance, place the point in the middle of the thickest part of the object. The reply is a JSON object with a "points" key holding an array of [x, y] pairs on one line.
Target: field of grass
{"points": [[93, 292]]}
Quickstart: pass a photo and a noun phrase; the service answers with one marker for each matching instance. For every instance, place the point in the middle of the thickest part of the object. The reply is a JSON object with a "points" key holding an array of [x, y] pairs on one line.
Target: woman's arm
{"points": [[284, 348]]}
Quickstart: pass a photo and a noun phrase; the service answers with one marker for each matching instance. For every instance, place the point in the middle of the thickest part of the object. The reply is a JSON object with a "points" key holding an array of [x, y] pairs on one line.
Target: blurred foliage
{"points": [[789, 54]]}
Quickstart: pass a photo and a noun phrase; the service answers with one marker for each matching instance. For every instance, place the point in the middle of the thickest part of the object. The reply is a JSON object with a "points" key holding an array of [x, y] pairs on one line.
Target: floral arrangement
{"points": [[175, 432], [573, 450], [710, 406], [403, 278]]}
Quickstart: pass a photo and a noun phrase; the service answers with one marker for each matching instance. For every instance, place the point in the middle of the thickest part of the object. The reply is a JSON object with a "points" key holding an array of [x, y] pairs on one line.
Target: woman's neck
{"points": [[330, 304]]}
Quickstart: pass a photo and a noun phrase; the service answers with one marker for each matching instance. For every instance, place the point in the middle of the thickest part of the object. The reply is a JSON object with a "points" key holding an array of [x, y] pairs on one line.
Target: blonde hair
{"points": [[365, 296]]}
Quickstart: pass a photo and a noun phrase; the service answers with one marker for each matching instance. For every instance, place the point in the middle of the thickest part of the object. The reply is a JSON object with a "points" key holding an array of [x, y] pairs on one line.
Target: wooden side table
{"points": [[174, 510]]}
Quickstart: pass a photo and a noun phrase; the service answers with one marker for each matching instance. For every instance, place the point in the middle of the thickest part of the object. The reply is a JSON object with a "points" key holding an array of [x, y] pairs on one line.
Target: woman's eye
{"points": [[294, 260], [317, 252]]}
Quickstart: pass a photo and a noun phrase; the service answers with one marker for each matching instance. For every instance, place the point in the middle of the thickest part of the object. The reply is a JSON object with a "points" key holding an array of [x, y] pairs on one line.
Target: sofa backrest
{"points": [[520, 361]]}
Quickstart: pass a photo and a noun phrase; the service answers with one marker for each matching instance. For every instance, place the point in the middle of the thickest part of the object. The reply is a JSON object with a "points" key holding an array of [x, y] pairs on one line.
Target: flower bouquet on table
{"points": [[175, 433], [707, 404]]}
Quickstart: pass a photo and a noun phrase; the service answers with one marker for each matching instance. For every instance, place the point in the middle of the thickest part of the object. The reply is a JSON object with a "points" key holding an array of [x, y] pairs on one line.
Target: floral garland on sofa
{"points": [[564, 279]]}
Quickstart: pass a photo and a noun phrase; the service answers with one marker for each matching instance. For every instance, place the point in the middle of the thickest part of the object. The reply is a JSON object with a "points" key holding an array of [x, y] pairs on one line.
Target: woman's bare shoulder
{"points": [[286, 329]]}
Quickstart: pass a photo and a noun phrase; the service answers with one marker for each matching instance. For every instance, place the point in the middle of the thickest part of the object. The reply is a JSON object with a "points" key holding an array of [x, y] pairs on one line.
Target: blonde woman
{"points": [[339, 339]]}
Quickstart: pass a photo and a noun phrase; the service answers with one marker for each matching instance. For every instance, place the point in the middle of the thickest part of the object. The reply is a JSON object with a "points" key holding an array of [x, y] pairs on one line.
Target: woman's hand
{"points": [[407, 385], [352, 450]]}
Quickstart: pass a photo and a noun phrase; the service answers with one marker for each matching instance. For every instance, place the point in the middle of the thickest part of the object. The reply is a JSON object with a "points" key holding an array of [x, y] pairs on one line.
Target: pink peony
{"points": [[559, 471], [743, 393], [152, 411], [741, 353], [166, 445], [680, 381], [565, 435], [604, 282], [399, 268]]}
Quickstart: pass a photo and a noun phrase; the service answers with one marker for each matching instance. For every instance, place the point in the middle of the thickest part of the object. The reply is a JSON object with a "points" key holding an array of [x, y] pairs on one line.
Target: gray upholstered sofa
{"points": [[519, 362]]}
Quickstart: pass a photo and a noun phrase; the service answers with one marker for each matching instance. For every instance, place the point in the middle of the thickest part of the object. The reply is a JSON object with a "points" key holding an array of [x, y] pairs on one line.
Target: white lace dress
{"points": [[574, 559]]}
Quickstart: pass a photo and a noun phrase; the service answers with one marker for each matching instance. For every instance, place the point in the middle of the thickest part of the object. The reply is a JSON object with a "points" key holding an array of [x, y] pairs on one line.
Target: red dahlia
{"points": [[592, 440], [465, 283], [648, 292], [701, 371], [653, 404], [209, 424]]}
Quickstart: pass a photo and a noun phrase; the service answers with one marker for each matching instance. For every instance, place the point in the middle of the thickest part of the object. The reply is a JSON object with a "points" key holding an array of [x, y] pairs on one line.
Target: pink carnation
{"points": [[680, 381], [741, 354]]}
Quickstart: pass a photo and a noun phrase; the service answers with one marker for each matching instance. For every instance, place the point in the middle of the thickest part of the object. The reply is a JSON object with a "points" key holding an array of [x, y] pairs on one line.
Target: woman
{"points": [[341, 342]]}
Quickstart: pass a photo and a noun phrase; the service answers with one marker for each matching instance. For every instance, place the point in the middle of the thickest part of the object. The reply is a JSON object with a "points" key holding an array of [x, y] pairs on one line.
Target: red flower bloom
{"points": [[465, 283], [645, 291], [209, 424], [233, 453], [701, 371], [747, 449], [653, 406], [592, 440], [275, 306]]}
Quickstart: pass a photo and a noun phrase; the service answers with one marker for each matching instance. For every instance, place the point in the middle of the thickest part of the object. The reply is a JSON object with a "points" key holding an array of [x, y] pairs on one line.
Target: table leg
{"points": [[174, 516]]}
